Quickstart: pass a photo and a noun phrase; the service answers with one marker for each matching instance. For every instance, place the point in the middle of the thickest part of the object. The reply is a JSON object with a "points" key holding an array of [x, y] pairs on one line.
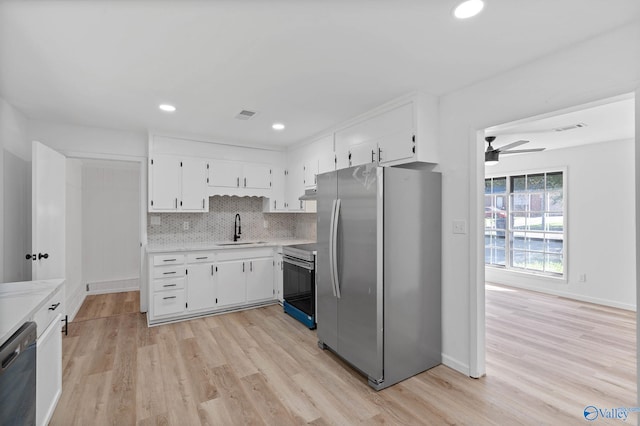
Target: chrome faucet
{"points": [[237, 229]]}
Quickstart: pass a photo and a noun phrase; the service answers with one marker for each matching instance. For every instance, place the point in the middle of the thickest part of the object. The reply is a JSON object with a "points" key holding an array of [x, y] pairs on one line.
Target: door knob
{"points": [[31, 256], [40, 256]]}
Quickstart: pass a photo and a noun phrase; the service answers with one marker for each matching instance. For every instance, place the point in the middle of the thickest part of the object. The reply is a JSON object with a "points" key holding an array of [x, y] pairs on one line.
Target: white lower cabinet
{"points": [[48, 371], [231, 283], [201, 292], [260, 280], [205, 282], [278, 277]]}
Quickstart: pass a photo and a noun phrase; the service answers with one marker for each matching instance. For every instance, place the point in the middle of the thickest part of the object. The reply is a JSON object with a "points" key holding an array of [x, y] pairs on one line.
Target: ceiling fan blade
{"points": [[512, 145], [520, 151]]}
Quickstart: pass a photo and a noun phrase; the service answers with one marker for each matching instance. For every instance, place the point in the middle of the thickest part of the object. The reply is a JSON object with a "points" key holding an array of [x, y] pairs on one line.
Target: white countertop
{"points": [[222, 245], [20, 301]]}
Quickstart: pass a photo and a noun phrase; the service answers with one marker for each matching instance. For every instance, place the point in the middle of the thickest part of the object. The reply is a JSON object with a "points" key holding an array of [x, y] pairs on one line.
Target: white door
{"points": [[48, 198]]}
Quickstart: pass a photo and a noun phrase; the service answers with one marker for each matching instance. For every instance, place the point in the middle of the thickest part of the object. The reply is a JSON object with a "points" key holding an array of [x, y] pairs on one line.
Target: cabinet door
{"points": [[256, 176], [310, 173], [396, 146], [194, 185], [295, 187], [363, 153], [276, 200], [231, 283], [225, 173], [165, 178], [260, 279], [277, 277], [48, 371], [327, 162], [201, 292]]}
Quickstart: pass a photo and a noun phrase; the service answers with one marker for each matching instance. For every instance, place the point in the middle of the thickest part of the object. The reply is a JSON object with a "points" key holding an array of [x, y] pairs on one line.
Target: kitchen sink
{"points": [[240, 243]]}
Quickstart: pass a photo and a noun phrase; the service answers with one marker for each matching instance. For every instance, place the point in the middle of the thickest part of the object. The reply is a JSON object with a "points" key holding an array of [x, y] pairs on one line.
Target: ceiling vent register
{"points": [[245, 114], [571, 127]]}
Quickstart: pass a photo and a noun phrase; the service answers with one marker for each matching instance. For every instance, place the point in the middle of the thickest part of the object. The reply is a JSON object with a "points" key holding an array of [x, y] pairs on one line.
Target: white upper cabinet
{"points": [[310, 173], [177, 184], [276, 201], [194, 185], [400, 132], [165, 183], [239, 175]]}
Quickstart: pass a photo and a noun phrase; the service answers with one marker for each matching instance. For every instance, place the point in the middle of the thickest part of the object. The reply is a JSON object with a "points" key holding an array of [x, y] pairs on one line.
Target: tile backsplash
{"points": [[217, 224]]}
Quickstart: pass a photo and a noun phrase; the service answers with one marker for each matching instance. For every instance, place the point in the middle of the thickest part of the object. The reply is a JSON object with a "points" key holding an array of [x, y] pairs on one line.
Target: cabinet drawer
{"points": [[49, 312], [168, 302], [168, 271], [247, 254], [168, 284], [168, 259], [199, 257]]}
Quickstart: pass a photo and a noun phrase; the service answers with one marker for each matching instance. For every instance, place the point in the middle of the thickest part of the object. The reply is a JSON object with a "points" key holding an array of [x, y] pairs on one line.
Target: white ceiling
{"points": [[606, 120], [309, 64]]}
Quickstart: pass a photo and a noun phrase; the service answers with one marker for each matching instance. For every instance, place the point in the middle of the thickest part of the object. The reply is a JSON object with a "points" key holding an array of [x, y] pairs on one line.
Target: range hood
{"points": [[309, 194]]}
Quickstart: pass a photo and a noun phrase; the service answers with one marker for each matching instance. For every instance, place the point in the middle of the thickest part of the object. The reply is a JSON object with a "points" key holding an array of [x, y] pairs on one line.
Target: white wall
{"points": [[74, 141], [599, 68], [74, 289], [110, 225], [15, 195], [600, 222]]}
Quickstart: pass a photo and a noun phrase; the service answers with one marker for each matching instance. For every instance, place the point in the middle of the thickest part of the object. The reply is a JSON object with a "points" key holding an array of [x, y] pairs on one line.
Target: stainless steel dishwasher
{"points": [[18, 377]]}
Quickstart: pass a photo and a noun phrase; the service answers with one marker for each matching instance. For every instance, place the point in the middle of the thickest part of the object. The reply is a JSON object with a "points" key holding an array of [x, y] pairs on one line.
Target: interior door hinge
{"points": [[152, 202]]}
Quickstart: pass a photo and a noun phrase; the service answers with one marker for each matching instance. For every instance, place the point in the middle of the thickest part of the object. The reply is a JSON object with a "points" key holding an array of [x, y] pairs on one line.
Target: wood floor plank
{"points": [[546, 357]]}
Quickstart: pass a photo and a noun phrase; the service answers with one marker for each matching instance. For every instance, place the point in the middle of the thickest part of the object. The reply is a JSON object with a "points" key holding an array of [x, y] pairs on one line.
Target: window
{"points": [[524, 222]]}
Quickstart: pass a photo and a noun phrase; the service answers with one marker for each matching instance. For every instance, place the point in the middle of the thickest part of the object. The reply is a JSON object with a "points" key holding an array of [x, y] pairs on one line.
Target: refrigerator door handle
{"points": [[331, 248], [335, 249]]}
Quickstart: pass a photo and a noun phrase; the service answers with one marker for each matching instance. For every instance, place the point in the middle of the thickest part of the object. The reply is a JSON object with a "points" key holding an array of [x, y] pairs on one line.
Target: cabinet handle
{"points": [[201, 258], [203, 203], [169, 297], [245, 182], [238, 182], [379, 155], [40, 256], [274, 206], [168, 273], [211, 269], [31, 256], [54, 307], [242, 266], [176, 203], [301, 204], [372, 151], [251, 266], [169, 285], [170, 260]]}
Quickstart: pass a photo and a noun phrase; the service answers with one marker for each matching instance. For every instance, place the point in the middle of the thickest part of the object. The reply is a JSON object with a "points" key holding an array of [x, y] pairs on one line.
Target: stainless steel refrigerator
{"points": [[378, 270]]}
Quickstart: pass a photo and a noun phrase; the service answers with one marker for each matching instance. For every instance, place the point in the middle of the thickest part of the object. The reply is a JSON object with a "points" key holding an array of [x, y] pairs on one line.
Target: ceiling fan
{"points": [[492, 154]]}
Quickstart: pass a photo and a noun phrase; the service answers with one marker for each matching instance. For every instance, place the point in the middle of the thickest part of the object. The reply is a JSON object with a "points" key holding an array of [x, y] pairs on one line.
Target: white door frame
{"points": [[143, 208]]}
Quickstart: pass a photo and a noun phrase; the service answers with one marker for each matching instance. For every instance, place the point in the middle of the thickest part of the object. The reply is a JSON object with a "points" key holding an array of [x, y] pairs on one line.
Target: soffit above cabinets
{"points": [[307, 64]]}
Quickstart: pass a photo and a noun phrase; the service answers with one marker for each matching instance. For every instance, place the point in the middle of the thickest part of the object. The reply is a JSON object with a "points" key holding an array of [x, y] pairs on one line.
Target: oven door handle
{"points": [[298, 263]]}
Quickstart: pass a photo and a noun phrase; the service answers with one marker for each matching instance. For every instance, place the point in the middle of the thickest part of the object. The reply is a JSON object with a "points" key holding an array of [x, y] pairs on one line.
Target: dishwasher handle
{"points": [[17, 343]]}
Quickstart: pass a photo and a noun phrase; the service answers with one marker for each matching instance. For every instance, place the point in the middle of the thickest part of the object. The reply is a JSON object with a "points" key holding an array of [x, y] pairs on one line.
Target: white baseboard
{"points": [[568, 295], [455, 364], [115, 286], [73, 310]]}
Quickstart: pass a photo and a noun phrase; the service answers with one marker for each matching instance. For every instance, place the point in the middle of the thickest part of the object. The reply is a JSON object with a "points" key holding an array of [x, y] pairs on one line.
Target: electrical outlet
{"points": [[459, 227], [265, 224], [582, 278], [155, 220], [185, 226]]}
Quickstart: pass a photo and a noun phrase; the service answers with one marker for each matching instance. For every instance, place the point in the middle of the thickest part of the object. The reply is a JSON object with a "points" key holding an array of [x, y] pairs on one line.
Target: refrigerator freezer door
{"points": [[358, 247], [327, 305]]}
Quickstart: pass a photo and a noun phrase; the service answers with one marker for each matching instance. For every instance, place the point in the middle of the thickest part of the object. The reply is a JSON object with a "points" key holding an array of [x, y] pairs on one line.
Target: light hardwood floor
{"points": [[547, 358]]}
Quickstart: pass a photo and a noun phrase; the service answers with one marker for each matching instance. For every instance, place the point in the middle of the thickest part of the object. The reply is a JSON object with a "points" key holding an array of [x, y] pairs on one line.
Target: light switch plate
{"points": [[459, 227], [185, 226]]}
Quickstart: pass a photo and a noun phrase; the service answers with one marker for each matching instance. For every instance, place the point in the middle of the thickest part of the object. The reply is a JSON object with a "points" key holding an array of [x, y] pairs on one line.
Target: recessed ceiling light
{"points": [[278, 126], [167, 107], [468, 8]]}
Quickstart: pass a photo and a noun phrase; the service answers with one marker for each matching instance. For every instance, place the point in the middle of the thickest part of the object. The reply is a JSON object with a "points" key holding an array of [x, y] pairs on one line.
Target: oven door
{"points": [[299, 284]]}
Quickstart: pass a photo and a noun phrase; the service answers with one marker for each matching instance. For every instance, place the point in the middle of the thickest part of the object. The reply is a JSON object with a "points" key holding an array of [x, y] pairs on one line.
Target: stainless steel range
{"points": [[299, 282]]}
